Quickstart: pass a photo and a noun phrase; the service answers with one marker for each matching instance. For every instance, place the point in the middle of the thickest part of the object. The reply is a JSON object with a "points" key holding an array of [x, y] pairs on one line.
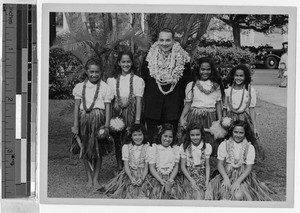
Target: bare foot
{"points": [[89, 184], [96, 184]]}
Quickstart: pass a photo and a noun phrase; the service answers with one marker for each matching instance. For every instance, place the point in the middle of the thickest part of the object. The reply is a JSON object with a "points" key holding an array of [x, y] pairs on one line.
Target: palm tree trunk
{"points": [[114, 21]]}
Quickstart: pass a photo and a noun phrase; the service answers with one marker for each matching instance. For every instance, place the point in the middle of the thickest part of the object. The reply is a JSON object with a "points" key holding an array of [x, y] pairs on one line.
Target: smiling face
{"points": [[195, 136], [94, 73], [205, 71], [238, 134], [167, 138], [137, 137], [125, 63], [239, 77], [165, 41]]}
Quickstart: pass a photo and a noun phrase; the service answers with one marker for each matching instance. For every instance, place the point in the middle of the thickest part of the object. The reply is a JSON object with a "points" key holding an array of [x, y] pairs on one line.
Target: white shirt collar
{"points": [[161, 147], [197, 147]]}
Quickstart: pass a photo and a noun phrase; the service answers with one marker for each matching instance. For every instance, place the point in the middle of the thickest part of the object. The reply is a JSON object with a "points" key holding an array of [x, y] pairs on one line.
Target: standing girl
{"points": [[236, 180], [92, 112], [128, 92], [240, 100], [130, 183], [195, 153], [203, 99], [163, 163]]}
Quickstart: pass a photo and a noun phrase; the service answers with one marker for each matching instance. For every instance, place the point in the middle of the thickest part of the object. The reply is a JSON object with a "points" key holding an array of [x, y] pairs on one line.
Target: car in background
{"points": [[270, 57]]}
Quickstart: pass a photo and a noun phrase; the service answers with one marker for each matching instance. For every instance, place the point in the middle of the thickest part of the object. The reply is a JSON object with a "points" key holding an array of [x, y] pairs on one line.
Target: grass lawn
{"points": [[66, 175]]}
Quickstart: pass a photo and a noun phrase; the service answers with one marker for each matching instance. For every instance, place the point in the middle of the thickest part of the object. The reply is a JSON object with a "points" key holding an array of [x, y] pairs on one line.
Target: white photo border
{"points": [[44, 102]]}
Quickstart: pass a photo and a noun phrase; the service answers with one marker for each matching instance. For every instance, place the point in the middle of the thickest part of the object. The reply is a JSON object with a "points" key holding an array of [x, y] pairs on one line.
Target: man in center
{"points": [[166, 72]]}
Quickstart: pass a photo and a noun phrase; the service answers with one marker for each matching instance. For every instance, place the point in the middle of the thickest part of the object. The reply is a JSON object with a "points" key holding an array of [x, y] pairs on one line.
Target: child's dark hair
{"points": [[187, 140], [161, 130], [89, 62], [247, 74], [214, 76], [137, 128], [118, 69], [249, 135]]}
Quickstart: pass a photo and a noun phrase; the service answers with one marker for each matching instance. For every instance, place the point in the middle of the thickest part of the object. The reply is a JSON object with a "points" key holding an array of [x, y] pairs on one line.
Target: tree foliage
{"points": [[259, 23]]}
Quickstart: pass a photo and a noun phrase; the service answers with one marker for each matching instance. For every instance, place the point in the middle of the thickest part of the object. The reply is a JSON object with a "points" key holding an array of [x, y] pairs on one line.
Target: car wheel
{"points": [[271, 62]]}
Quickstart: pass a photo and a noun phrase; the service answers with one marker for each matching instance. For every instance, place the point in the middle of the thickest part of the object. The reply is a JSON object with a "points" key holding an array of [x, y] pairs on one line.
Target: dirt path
{"points": [[66, 176]]}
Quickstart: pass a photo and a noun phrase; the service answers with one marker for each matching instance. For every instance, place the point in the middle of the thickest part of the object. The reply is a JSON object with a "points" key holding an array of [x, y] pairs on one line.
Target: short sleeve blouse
{"points": [[197, 152], [137, 151], [163, 156], [198, 98], [105, 94], [237, 97], [138, 85], [224, 155]]}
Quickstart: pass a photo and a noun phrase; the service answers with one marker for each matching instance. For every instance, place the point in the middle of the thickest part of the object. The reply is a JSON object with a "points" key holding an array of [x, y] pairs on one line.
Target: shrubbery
{"points": [[64, 72], [225, 58]]}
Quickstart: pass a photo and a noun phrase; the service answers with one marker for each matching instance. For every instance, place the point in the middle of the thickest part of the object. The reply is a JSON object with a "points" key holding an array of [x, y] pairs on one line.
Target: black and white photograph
{"points": [[153, 104]]}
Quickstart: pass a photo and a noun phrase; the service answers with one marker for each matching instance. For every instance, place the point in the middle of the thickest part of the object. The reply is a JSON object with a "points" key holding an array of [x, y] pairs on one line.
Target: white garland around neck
{"points": [[173, 69]]}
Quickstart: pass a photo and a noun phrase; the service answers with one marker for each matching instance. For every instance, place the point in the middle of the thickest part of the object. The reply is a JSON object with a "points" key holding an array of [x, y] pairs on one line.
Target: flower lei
{"points": [[118, 98], [163, 171], [236, 163], [199, 177], [169, 70], [84, 98], [237, 110], [213, 88], [133, 162], [190, 160]]}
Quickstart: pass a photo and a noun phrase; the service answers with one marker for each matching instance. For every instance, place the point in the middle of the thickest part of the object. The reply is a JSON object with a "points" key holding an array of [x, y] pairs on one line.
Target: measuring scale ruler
{"points": [[19, 98]]}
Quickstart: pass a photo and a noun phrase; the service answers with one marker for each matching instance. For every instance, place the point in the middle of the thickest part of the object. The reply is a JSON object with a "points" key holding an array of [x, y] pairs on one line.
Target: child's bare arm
{"points": [[219, 110], [223, 173], [107, 114], [242, 177], [127, 169], [145, 171], [138, 109], [76, 116], [174, 172], [155, 174], [184, 170], [185, 110], [207, 169]]}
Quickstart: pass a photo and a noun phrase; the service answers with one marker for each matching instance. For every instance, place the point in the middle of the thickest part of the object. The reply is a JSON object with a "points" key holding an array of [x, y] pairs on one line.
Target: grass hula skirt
{"points": [[168, 191], [198, 174], [205, 117], [90, 123], [120, 187], [244, 116], [251, 189]]}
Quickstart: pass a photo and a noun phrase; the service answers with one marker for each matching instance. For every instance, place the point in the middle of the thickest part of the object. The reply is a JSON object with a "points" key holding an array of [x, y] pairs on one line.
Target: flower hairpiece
{"points": [[160, 128]]}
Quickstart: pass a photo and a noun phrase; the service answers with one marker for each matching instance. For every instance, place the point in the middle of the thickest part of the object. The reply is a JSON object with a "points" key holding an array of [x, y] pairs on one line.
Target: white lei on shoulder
{"points": [[167, 71]]}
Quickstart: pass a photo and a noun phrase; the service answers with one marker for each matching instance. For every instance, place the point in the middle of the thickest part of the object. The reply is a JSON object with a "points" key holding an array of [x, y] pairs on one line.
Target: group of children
{"points": [[164, 168]]}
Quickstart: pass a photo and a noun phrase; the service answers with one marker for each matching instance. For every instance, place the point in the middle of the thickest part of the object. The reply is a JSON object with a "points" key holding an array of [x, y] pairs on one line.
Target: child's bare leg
{"points": [[97, 167], [88, 173]]}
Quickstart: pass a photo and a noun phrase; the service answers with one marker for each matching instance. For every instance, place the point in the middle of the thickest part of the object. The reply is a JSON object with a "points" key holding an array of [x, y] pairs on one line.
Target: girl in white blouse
{"points": [[236, 180], [163, 163], [195, 153], [131, 182], [128, 91], [92, 112], [240, 101], [203, 99]]}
